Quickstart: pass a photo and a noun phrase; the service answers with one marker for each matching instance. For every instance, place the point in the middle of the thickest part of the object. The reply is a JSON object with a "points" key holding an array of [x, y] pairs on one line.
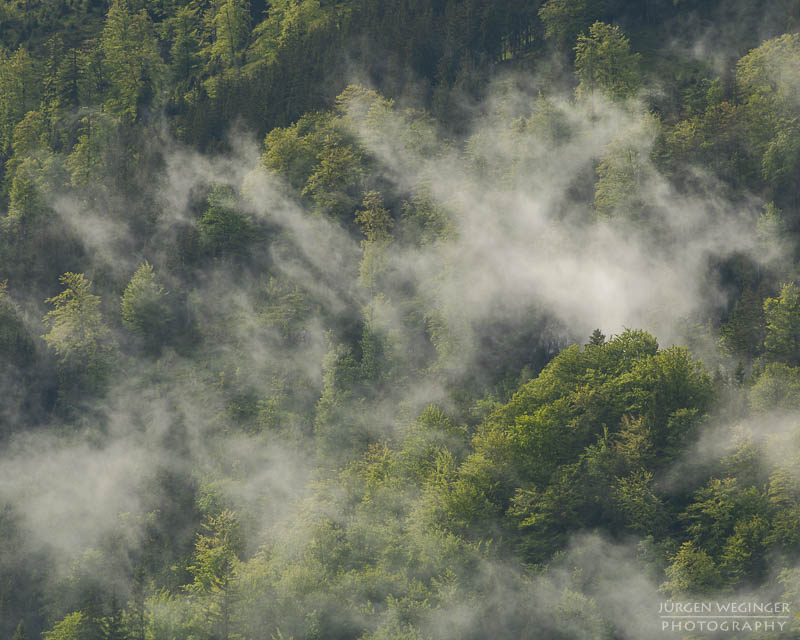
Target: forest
{"points": [[397, 320]]}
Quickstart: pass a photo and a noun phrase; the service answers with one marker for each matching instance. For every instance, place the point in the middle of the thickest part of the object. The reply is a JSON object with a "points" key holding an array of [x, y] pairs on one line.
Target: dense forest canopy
{"points": [[343, 319]]}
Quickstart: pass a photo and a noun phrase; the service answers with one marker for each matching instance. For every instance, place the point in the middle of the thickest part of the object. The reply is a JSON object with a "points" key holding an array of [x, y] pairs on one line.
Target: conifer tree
{"points": [[132, 61], [604, 61], [145, 311], [214, 568]]}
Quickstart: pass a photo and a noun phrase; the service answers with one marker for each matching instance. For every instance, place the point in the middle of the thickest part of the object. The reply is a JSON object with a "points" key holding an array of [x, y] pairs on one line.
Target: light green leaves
{"points": [[604, 61], [76, 323]]}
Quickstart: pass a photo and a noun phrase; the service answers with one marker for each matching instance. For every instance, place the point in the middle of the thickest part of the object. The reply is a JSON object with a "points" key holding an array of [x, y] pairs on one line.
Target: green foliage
{"points": [[185, 50], [580, 616], [290, 19], [16, 345], [231, 24], [460, 498], [374, 219], [287, 307], [782, 316], [692, 572], [76, 324], [385, 519], [597, 338], [777, 388], [641, 509], [341, 376], [291, 152], [320, 156], [564, 19], [81, 340], [634, 443], [87, 165], [213, 568], [423, 221], [19, 633], [73, 627], [743, 334], [166, 615], [743, 555], [336, 182], [29, 141], [717, 509], [145, 311], [783, 494], [430, 436], [603, 60], [26, 202], [553, 417], [577, 444], [132, 61], [781, 159], [20, 91], [717, 139], [76, 82], [623, 175], [224, 230], [768, 74], [771, 228], [375, 222]]}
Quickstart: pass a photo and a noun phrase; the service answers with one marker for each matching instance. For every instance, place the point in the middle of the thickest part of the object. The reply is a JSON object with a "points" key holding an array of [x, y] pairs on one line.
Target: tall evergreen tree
{"points": [[132, 61]]}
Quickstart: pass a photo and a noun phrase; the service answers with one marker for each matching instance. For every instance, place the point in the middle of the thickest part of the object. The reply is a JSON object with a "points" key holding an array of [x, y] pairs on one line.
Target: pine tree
{"points": [[145, 311], [76, 324], [80, 339], [597, 338], [782, 315], [214, 567], [564, 19], [20, 92], [231, 32], [73, 626], [603, 60], [20, 634], [132, 60]]}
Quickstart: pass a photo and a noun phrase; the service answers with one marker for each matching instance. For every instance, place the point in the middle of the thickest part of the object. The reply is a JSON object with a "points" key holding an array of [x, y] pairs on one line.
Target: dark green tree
{"points": [[782, 316], [597, 338], [564, 19], [20, 92], [132, 61], [743, 334], [224, 230], [145, 309], [231, 24]]}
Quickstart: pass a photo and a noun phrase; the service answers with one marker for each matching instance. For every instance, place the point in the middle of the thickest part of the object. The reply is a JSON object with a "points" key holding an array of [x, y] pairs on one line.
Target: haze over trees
{"points": [[396, 320]]}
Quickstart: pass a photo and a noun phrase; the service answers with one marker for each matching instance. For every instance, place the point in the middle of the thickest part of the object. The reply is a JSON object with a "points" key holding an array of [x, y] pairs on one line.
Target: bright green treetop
{"points": [[76, 323], [604, 61]]}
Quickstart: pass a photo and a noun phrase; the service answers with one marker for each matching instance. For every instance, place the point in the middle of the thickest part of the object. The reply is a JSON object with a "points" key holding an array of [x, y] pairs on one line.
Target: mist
{"points": [[342, 318]]}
